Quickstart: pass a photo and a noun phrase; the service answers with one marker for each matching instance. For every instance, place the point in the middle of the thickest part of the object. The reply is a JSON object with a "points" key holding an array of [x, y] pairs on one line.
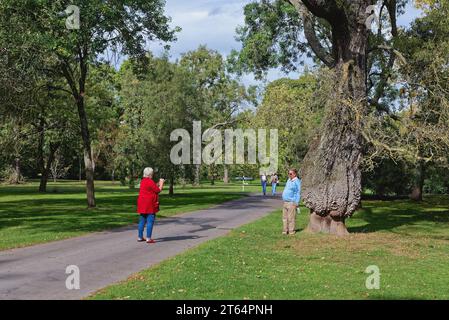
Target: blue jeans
{"points": [[273, 188], [264, 187], [146, 219]]}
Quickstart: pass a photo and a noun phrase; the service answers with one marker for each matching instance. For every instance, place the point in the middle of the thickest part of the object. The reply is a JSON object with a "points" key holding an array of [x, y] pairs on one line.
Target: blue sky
{"points": [[213, 23]]}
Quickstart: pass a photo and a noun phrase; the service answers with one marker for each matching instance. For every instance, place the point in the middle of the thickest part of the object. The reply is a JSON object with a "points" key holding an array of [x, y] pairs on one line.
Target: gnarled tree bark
{"points": [[331, 170]]}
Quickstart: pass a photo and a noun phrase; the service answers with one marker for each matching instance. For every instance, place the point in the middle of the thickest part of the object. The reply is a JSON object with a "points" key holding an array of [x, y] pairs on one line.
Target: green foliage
{"points": [[154, 106], [295, 108], [36, 29], [270, 37], [171, 96], [122, 25], [221, 95], [389, 179]]}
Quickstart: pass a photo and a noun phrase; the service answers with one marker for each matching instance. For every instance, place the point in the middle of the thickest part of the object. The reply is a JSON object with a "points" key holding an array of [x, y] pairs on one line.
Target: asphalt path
{"points": [[39, 272]]}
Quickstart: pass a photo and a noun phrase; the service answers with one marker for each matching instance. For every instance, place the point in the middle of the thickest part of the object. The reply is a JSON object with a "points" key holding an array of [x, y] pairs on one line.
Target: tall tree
{"points": [[155, 104], [123, 25], [337, 36], [295, 108], [221, 94], [418, 132]]}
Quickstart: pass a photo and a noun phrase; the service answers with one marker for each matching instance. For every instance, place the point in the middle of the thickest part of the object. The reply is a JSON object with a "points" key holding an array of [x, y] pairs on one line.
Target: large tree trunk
{"points": [[417, 191], [88, 157], [331, 169]]}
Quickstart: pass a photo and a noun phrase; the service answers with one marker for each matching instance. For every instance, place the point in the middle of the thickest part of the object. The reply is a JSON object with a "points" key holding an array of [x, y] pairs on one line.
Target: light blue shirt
{"points": [[292, 191]]}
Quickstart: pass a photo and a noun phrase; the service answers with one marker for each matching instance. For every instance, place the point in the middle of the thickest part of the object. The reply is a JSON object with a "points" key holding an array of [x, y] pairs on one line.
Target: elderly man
{"points": [[291, 197]]}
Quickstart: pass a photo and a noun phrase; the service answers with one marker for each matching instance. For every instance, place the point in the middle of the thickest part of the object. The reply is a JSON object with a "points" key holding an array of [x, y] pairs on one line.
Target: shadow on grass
{"points": [[103, 188], [51, 214], [389, 215]]}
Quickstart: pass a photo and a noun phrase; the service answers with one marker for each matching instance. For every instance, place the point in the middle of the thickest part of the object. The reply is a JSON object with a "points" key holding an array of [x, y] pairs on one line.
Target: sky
{"points": [[213, 23]]}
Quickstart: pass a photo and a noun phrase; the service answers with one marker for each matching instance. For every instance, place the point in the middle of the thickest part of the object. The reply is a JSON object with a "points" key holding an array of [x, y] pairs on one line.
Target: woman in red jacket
{"points": [[148, 203]]}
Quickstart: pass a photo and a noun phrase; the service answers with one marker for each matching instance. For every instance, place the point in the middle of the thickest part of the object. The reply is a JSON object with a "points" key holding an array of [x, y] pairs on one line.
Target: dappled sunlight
{"points": [[28, 217]]}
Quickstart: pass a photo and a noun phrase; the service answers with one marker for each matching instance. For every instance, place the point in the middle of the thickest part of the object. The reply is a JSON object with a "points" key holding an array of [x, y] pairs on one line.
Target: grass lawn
{"points": [[28, 217], [408, 242]]}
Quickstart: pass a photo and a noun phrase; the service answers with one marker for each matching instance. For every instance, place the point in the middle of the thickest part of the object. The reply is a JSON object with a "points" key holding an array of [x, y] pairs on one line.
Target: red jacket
{"points": [[148, 201]]}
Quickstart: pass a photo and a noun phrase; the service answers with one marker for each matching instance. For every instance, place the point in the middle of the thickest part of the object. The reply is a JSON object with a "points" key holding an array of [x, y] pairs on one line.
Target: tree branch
{"points": [[309, 32], [321, 8], [386, 74], [223, 124]]}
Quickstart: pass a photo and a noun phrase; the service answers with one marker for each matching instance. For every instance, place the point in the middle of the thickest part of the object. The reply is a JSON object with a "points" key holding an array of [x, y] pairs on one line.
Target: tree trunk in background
{"points": [[41, 162], [196, 181], [331, 169], [46, 169], [88, 157], [80, 174], [226, 174], [417, 191], [78, 91], [212, 174], [16, 176], [182, 179], [171, 188]]}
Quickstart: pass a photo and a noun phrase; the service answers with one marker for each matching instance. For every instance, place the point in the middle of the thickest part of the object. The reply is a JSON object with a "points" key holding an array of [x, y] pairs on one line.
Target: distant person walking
{"points": [[291, 197], [274, 183], [148, 204], [263, 180]]}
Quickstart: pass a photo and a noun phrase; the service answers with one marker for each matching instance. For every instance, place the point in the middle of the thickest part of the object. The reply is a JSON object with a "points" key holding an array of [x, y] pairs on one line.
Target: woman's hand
{"points": [[161, 183]]}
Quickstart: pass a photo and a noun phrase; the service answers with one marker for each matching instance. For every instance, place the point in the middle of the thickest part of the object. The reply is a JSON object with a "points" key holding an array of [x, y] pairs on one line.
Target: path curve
{"points": [[38, 272]]}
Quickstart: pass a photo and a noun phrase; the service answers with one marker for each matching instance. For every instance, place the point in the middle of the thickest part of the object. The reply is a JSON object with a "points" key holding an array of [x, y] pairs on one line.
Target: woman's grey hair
{"points": [[148, 172]]}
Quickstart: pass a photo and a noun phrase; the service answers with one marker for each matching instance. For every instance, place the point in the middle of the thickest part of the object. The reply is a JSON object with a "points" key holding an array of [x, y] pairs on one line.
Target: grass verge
{"points": [[409, 243]]}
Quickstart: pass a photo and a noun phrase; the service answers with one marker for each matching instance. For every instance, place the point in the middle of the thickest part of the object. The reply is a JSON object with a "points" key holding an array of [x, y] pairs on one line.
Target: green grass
{"points": [[28, 217], [407, 241]]}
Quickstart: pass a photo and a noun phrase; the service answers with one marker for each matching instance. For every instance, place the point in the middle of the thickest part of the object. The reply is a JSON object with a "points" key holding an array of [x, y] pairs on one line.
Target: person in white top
{"points": [[263, 180]]}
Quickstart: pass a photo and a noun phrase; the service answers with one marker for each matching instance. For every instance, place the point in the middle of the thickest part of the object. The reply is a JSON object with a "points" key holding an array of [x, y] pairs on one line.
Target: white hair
{"points": [[148, 172]]}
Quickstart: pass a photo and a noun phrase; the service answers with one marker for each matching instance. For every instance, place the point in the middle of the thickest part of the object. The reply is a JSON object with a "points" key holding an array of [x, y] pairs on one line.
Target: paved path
{"points": [[38, 272]]}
